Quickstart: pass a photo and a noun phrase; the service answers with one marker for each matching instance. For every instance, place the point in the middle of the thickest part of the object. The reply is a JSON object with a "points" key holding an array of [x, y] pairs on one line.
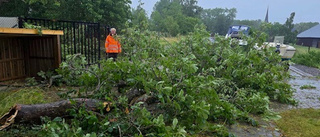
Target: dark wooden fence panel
{"points": [[11, 59], [41, 55], [25, 56]]}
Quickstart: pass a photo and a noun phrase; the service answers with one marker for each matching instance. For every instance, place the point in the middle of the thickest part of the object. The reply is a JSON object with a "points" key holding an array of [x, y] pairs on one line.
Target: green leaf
{"points": [[57, 119], [168, 89], [174, 123]]}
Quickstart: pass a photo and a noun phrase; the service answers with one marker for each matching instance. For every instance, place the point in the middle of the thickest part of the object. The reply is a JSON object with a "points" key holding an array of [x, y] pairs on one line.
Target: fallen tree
{"points": [[186, 88]]}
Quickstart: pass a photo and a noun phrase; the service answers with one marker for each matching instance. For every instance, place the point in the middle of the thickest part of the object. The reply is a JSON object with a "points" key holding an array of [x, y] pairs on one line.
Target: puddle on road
{"points": [[307, 98]]}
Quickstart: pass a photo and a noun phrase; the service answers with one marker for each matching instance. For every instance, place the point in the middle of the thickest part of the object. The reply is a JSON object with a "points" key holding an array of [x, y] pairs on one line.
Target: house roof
{"points": [[313, 32]]}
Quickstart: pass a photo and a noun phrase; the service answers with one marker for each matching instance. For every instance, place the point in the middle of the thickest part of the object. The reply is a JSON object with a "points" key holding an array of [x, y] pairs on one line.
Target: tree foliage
{"points": [[291, 33], [252, 23], [300, 27], [218, 20], [139, 17], [287, 30], [111, 12], [190, 8], [175, 16]]}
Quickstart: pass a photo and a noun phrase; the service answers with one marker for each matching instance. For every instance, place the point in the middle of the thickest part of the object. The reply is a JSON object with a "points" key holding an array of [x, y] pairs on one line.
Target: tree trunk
{"points": [[32, 113]]}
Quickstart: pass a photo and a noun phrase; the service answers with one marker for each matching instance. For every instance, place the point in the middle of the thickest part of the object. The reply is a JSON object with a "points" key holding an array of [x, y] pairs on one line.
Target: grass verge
{"points": [[32, 95], [305, 57], [300, 123], [304, 50]]}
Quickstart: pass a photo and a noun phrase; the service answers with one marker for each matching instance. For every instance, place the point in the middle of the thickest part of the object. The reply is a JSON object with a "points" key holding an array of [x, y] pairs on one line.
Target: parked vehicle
{"points": [[237, 31], [286, 51]]}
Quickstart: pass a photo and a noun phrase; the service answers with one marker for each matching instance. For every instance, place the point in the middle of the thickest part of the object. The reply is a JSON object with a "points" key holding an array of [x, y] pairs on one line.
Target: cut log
{"points": [[32, 113]]}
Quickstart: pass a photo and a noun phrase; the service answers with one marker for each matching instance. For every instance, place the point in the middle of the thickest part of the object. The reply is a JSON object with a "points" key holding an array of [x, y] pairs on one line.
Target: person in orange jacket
{"points": [[112, 46]]}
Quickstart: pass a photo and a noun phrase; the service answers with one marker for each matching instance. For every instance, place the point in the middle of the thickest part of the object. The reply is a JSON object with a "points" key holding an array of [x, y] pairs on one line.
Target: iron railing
{"points": [[79, 37]]}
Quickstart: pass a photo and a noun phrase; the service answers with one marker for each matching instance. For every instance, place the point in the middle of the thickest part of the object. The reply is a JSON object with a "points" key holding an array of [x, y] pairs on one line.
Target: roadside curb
{"points": [[300, 72]]}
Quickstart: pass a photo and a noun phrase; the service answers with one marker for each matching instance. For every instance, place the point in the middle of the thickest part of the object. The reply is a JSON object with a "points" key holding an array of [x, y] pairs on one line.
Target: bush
{"points": [[310, 59]]}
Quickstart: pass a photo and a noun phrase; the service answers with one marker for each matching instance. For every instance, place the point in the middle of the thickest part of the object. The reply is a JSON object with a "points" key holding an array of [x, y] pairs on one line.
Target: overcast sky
{"points": [[279, 10]]}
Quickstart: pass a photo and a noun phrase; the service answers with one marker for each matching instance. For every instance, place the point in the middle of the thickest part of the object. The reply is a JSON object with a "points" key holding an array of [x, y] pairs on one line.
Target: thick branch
{"points": [[32, 113]]}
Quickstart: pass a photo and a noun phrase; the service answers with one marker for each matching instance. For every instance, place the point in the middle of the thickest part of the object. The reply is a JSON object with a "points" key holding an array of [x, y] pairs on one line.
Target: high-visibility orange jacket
{"points": [[112, 46]]}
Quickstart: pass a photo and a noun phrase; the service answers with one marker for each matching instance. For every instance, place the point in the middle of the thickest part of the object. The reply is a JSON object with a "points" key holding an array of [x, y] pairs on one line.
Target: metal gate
{"points": [[79, 37]]}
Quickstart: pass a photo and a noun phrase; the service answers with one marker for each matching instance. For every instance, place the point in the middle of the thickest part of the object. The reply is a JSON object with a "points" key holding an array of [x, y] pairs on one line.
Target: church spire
{"points": [[267, 16]]}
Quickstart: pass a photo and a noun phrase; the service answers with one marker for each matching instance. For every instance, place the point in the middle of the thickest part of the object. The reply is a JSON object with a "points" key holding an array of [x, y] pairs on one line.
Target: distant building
{"points": [[310, 37]]}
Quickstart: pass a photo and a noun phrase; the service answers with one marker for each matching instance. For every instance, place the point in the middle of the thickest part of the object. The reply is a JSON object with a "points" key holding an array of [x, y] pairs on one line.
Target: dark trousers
{"points": [[112, 55]]}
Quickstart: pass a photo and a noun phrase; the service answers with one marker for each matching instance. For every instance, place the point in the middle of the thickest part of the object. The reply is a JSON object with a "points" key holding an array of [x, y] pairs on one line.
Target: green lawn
{"points": [[304, 49], [29, 95], [169, 40], [300, 123], [33, 95]]}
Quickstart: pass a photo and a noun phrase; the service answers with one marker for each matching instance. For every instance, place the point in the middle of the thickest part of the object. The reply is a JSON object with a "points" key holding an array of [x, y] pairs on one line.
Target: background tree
{"points": [[218, 20], [170, 16], [139, 17], [300, 27], [112, 12], [115, 12], [80, 10], [290, 32], [287, 30], [275, 29], [28, 8], [190, 8], [252, 23]]}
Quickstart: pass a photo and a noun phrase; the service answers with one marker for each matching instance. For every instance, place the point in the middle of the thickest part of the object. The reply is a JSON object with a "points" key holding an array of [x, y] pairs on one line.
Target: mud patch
{"points": [[265, 129]]}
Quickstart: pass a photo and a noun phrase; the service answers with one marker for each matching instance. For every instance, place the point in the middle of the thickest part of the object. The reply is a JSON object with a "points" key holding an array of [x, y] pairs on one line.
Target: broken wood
{"points": [[32, 113]]}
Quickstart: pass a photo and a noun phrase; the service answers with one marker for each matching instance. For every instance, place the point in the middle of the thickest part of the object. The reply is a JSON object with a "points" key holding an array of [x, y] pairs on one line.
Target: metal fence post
{"points": [[99, 44], [74, 37], [20, 23]]}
